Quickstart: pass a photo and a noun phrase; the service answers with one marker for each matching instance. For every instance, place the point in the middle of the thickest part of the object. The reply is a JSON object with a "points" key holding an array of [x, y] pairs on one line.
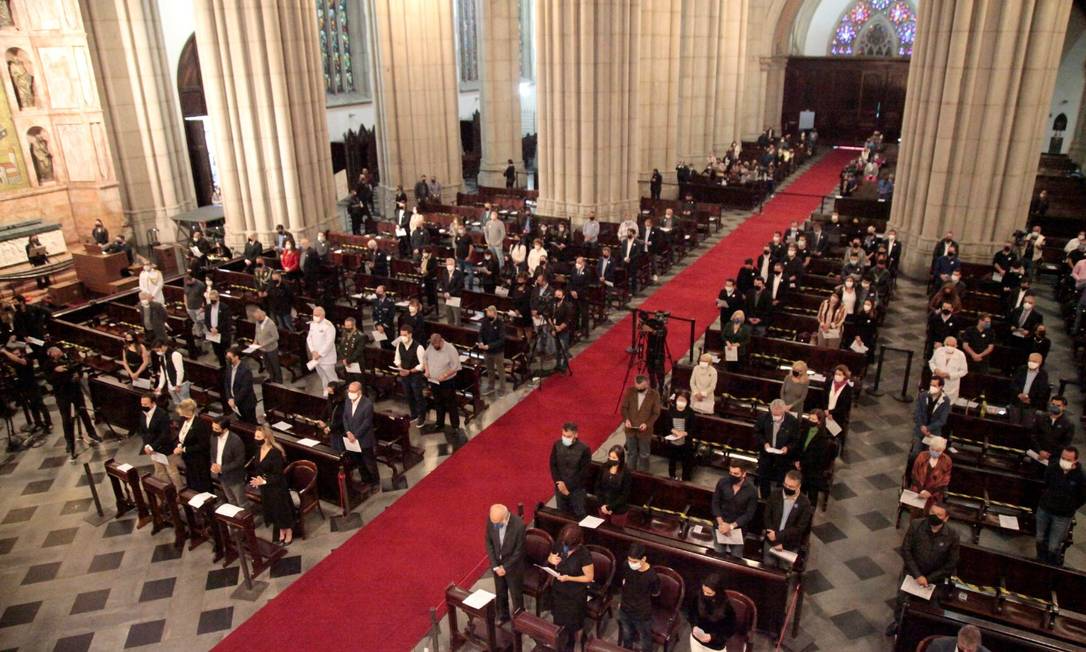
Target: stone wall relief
{"points": [[23, 80], [41, 155]]}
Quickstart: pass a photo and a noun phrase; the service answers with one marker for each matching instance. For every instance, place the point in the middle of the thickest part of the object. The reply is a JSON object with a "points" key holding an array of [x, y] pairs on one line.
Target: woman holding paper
{"points": [[194, 447], [703, 385], [267, 469], [712, 620], [931, 471], [136, 358], [613, 486], [573, 564], [819, 450], [680, 435], [839, 396], [831, 319], [736, 336], [795, 387], [866, 323]]}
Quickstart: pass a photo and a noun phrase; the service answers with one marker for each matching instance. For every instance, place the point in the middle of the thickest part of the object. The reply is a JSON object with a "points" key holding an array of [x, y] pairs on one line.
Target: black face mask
{"points": [[735, 479], [790, 492], [934, 521]]}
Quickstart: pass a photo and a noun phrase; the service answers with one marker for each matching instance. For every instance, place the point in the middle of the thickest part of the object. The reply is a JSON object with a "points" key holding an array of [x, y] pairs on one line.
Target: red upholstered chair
{"points": [[665, 607], [542, 632], [302, 479], [537, 547], [746, 621], [599, 592]]}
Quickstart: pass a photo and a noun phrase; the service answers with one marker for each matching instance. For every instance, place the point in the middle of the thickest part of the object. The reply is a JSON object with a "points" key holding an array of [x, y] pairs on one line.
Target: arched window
{"points": [[341, 29], [875, 28]]}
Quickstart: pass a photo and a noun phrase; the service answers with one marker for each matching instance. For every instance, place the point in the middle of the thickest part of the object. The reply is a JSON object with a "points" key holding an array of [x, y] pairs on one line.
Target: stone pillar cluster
{"points": [[265, 95], [499, 92], [980, 83]]}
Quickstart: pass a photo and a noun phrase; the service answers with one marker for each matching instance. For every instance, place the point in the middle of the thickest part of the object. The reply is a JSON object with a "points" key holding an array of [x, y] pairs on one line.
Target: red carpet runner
{"points": [[374, 592]]}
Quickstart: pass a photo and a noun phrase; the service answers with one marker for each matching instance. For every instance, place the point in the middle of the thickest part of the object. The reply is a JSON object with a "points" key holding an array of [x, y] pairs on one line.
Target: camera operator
{"points": [[654, 329], [562, 323], [542, 307], [64, 375], [26, 390]]}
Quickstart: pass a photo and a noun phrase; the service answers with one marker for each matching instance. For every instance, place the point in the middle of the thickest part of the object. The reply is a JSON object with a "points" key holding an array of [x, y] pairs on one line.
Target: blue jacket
{"points": [[359, 422]]}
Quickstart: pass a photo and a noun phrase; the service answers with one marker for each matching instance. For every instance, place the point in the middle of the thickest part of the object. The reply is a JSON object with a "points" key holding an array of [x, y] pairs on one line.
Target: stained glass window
{"points": [[875, 28], [335, 42]]}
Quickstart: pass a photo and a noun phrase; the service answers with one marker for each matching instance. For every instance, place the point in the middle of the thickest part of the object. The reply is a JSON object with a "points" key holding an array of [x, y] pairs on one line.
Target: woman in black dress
{"points": [[613, 486], [331, 423], [712, 620], [681, 423], [572, 561], [866, 321], [817, 452], [194, 446], [135, 357], [839, 396], [268, 476]]}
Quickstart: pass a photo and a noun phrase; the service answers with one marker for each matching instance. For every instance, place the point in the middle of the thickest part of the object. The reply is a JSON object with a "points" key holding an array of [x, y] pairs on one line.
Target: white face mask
{"points": [[412, 310], [703, 365], [634, 565], [146, 302], [934, 391], [1033, 365], [1066, 465], [317, 320], [567, 441], [354, 396], [681, 405]]}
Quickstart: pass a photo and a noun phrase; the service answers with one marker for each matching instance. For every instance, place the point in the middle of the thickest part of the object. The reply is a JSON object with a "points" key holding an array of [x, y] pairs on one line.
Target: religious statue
{"points": [[6, 19], [24, 83], [43, 158]]}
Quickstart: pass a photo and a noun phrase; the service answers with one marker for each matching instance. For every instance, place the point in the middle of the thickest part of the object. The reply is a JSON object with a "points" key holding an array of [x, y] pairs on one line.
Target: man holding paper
{"points": [[266, 339], [442, 365], [321, 343], [640, 409], [409, 360], [930, 415], [787, 520], [350, 350], [171, 372], [239, 394], [358, 436], [159, 441], [505, 548], [778, 436], [930, 553], [219, 324], [734, 504]]}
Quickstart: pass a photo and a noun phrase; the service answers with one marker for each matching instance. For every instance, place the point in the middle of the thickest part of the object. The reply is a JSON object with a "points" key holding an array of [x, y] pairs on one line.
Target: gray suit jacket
{"points": [[156, 313], [510, 552], [267, 333], [233, 458]]}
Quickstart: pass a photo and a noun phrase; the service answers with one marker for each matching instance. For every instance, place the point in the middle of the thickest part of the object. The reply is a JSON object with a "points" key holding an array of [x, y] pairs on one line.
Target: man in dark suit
{"points": [[817, 240], [450, 284], [930, 414], [656, 184], [787, 520], [654, 240], [238, 388], [158, 440], [228, 460], [1031, 389], [152, 317], [403, 228], [218, 322], [576, 284], [1052, 433], [253, 250], [505, 548], [630, 252], [510, 174], [943, 247], [605, 268], [777, 285], [1023, 320], [310, 264], [358, 429], [778, 439], [734, 503], [758, 306]]}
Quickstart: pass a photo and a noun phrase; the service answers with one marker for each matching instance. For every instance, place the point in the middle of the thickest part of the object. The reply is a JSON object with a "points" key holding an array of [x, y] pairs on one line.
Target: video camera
{"points": [[654, 321]]}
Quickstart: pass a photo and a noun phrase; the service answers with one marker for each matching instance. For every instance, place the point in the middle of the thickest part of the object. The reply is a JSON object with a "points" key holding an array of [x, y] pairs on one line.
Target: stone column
{"points": [[774, 68], [1077, 149], [144, 126], [980, 83], [588, 107], [731, 74], [499, 91], [418, 126], [659, 91], [700, 44], [265, 98]]}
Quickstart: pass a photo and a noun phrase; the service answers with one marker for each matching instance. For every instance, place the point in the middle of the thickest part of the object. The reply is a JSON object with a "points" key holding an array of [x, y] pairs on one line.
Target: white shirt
{"points": [[222, 444], [835, 393], [178, 362], [214, 319], [322, 340], [533, 258], [953, 362], [148, 415], [151, 283], [185, 430]]}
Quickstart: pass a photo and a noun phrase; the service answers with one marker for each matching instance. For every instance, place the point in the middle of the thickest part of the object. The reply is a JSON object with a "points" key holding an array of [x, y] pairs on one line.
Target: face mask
{"points": [[611, 462], [735, 479], [849, 284], [567, 441], [1028, 306], [778, 419], [145, 303], [1054, 409], [1066, 465], [354, 396], [565, 549], [934, 391], [935, 454], [634, 565], [945, 311], [984, 326], [703, 365], [450, 267], [1033, 365], [934, 521], [790, 492], [737, 320], [838, 378], [498, 526], [728, 288], [955, 278], [681, 405], [413, 310], [642, 390], [318, 319]]}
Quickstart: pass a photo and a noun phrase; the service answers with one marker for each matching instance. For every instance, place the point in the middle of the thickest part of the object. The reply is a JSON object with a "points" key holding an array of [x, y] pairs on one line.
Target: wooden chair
{"points": [[537, 547], [302, 479], [923, 645], [544, 634], [746, 621], [599, 592], [665, 607]]}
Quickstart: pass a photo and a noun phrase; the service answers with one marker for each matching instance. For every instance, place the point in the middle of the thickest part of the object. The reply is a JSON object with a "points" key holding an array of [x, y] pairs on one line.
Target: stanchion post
{"points": [[251, 590], [905, 398], [100, 516], [691, 354], [875, 391], [435, 629]]}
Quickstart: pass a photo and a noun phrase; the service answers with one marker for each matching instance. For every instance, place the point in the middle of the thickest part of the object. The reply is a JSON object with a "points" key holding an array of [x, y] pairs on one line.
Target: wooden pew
{"points": [[481, 630], [776, 352], [876, 209], [261, 553], [115, 404], [201, 523], [774, 591], [749, 384], [922, 619], [127, 491], [162, 496]]}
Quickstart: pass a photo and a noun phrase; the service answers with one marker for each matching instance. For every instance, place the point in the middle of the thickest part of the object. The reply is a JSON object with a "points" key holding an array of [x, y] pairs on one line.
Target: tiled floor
{"points": [[67, 585]]}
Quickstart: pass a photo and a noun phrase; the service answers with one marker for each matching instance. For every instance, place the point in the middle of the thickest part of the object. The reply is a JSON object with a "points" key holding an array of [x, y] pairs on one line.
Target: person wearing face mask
{"points": [[350, 350], [569, 462], [505, 549], [777, 433], [930, 554], [152, 282], [100, 234], [289, 259], [253, 250], [384, 309], [219, 325], [943, 247], [410, 362], [945, 267], [1023, 320], [931, 471], [450, 285], [795, 387], [853, 267], [831, 321], [194, 447], [735, 335], [640, 409], [787, 520], [893, 250], [681, 427], [930, 414], [378, 259], [639, 585], [712, 618], [763, 267], [238, 388], [793, 268], [978, 344], [489, 271], [331, 421], [838, 403], [728, 301], [613, 487], [1040, 343], [949, 363], [152, 316], [228, 461], [573, 563], [942, 324], [1052, 432], [819, 450], [170, 365], [159, 442], [1003, 260], [1063, 495], [268, 478], [866, 327], [321, 344], [735, 501], [703, 379], [358, 432], [1031, 388], [135, 357], [630, 251]]}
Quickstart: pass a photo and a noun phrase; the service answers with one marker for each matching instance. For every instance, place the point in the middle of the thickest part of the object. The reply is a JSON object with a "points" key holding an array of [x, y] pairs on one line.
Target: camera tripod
{"points": [[561, 351], [642, 358]]}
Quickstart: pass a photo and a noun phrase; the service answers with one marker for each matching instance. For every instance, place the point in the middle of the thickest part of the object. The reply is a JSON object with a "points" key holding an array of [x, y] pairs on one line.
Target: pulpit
{"points": [[162, 497], [125, 480]]}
